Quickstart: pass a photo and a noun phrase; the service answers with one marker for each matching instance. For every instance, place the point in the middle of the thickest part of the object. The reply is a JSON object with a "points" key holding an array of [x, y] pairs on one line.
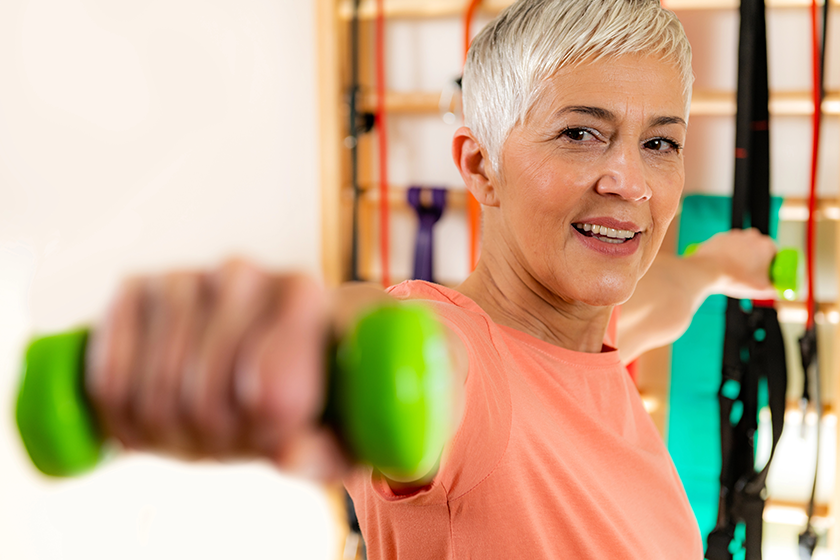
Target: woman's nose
{"points": [[624, 175]]}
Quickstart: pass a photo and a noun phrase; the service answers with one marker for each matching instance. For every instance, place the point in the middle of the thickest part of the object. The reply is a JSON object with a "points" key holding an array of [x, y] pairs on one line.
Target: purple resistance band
{"points": [[429, 204]]}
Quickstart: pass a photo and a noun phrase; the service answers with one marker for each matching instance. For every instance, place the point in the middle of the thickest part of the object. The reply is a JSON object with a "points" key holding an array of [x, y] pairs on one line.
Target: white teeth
{"points": [[605, 232]]}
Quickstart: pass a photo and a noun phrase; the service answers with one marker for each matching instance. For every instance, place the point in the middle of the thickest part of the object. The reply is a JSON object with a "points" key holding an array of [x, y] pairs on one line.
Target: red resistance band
{"points": [[816, 97]]}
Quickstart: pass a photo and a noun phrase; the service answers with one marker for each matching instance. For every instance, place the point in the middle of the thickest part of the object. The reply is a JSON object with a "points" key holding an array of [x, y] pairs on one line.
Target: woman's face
{"points": [[591, 180]]}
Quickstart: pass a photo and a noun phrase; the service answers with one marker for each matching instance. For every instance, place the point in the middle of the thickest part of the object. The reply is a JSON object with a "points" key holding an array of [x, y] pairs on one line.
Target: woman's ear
{"points": [[469, 158]]}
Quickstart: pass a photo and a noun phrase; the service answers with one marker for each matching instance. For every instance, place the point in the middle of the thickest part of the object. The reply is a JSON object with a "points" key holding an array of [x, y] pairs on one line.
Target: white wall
{"points": [[134, 137]]}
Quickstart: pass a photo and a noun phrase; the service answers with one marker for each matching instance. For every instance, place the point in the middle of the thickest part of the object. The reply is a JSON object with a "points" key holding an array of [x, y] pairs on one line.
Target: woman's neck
{"points": [[515, 299]]}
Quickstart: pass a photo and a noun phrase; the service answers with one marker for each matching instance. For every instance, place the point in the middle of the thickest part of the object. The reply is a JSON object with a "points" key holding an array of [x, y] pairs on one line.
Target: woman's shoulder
{"points": [[422, 290], [453, 308]]}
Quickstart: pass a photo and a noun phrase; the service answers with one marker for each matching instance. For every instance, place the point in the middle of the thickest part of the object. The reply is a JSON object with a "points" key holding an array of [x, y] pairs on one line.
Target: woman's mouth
{"points": [[605, 234]]}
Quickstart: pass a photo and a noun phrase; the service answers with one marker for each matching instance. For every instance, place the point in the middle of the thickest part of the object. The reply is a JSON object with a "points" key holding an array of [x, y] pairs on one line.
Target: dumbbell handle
{"points": [[389, 396], [784, 270]]}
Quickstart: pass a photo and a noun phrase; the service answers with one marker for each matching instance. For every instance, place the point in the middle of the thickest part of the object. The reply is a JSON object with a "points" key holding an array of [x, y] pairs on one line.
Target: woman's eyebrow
{"points": [[663, 121], [607, 115], [597, 112]]}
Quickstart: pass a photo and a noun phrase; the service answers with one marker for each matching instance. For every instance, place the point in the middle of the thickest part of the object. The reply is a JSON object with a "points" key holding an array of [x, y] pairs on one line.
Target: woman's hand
{"points": [[737, 264], [224, 364]]}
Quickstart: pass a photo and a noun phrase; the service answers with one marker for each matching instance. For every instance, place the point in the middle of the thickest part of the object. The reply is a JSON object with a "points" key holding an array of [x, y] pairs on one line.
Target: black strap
{"points": [[753, 354], [808, 351], [823, 42], [751, 196], [753, 351]]}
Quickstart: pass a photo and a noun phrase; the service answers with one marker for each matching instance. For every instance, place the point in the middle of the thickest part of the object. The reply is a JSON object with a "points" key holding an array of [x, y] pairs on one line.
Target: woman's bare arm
{"points": [[228, 364], [735, 263]]}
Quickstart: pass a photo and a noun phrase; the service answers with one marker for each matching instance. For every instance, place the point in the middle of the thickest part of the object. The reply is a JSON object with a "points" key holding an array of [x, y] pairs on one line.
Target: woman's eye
{"points": [[662, 145], [577, 134]]}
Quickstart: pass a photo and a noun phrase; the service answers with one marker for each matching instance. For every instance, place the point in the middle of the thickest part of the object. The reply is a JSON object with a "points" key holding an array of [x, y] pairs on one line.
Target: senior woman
{"points": [[576, 117], [576, 114]]}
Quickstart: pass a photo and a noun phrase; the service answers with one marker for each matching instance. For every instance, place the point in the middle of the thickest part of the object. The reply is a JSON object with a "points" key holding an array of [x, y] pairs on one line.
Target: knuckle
{"points": [[301, 285], [240, 285], [237, 272]]}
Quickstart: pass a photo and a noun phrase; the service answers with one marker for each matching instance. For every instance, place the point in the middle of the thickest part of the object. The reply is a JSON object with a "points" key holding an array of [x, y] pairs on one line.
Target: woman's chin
{"points": [[603, 294]]}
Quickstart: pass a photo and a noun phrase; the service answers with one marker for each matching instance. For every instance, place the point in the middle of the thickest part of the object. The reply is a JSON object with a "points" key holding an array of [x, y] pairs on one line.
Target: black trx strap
{"points": [[753, 351]]}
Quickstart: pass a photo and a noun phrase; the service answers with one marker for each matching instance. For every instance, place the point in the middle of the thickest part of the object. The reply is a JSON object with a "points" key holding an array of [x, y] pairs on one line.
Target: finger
{"points": [[177, 308], [111, 359], [281, 380], [241, 295]]}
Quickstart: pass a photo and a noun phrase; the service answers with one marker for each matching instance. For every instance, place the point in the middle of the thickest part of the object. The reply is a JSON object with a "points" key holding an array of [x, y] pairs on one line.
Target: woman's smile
{"points": [[609, 236]]}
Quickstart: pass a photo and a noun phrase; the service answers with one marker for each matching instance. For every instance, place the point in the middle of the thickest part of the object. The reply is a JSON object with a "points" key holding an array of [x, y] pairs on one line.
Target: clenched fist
{"points": [[223, 364]]}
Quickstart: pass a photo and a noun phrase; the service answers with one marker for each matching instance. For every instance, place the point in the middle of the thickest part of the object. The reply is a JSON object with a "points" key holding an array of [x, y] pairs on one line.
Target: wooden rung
{"points": [[789, 103], [403, 102], [796, 210], [820, 510], [795, 312], [676, 5], [398, 197], [420, 9], [652, 403], [793, 407]]}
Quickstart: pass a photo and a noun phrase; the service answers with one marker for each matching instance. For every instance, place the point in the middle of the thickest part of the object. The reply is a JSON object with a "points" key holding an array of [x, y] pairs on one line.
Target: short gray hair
{"points": [[510, 59]]}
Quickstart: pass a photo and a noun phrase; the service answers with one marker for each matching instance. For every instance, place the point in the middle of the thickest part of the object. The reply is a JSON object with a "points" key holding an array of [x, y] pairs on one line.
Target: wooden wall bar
{"points": [[721, 103], [332, 126]]}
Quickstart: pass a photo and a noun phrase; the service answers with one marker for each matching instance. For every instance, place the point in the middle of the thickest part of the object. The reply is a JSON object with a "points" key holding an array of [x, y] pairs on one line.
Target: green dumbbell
{"points": [[389, 396], [784, 270]]}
